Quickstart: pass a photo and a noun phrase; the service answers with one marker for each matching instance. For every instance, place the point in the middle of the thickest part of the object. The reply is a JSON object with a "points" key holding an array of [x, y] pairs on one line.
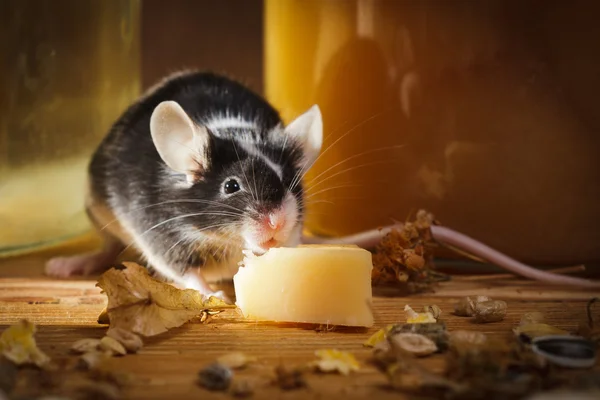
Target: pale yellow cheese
{"points": [[320, 284]]}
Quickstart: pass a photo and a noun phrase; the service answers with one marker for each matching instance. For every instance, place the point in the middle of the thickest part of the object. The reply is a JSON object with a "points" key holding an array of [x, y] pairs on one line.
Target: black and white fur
{"points": [[157, 180]]}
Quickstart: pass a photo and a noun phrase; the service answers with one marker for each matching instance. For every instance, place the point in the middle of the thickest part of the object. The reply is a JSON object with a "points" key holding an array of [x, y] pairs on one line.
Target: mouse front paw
{"points": [[219, 295]]}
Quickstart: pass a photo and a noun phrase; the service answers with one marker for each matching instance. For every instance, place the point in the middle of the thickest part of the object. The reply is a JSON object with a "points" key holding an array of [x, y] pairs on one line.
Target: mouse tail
{"points": [[447, 236]]}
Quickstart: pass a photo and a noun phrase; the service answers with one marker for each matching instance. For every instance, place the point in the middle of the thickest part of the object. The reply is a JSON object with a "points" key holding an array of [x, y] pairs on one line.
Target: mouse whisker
{"points": [[351, 169], [285, 139], [254, 177], [324, 151], [169, 220], [174, 202], [244, 172], [309, 183], [310, 195]]}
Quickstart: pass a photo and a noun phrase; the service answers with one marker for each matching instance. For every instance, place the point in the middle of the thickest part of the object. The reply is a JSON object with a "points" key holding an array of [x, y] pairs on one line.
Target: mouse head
{"points": [[246, 178]]}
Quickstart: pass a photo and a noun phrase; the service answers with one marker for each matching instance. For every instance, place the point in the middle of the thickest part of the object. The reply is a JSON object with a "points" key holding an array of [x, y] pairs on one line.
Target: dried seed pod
{"points": [[566, 351], [215, 377], [413, 261], [433, 310], [535, 317], [112, 345], [490, 311], [413, 343], [466, 306], [235, 360], [242, 389], [129, 340], [434, 331], [85, 345]]}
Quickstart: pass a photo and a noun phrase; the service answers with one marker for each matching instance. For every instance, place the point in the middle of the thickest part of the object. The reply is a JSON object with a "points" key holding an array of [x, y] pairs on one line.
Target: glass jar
{"points": [[69, 68], [484, 113]]}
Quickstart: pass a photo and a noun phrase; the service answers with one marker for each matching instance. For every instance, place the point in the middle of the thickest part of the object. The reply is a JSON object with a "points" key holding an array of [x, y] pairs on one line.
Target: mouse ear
{"points": [[308, 130], [181, 143]]}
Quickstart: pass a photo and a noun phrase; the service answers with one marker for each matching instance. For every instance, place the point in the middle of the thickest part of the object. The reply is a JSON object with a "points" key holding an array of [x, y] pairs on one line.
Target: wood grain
{"points": [[167, 366]]}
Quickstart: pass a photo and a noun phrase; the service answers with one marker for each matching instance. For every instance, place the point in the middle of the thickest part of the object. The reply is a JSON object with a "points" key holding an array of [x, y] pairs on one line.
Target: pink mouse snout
{"points": [[271, 226]]}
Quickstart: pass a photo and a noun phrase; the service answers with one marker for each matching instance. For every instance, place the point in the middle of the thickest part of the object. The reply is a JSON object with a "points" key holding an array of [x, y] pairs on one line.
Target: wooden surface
{"points": [[167, 366]]}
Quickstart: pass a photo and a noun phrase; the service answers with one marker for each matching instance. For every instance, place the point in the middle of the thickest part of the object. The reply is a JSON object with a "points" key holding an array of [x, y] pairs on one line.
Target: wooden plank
{"points": [[167, 366]]}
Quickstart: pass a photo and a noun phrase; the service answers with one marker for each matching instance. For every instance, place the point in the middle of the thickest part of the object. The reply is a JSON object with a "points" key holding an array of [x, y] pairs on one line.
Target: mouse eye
{"points": [[231, 186]]}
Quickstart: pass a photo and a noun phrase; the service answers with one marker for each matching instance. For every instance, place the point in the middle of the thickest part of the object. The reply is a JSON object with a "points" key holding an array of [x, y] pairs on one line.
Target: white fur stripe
{"points": [[253, 151], [229, 122]]}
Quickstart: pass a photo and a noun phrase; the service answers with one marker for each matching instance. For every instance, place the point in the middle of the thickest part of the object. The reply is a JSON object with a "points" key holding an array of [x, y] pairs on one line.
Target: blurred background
{"points": [[482, 112]]}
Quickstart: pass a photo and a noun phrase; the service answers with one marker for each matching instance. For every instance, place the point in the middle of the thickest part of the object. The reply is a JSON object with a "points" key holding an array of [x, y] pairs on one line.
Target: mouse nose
{"points": [[276, 220]]}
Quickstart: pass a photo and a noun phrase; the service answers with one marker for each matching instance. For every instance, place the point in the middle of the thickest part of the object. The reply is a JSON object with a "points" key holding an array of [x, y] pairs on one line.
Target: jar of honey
{"points": [[484, 113]]}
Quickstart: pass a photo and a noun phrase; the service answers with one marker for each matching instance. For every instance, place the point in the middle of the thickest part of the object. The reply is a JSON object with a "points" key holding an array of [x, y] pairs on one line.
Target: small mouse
{"points": [[201, 168], [198, 169]]}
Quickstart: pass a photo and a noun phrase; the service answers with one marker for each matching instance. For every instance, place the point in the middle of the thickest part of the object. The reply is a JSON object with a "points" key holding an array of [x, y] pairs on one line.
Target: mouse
{"points": [[201, 169], [197, 170]]}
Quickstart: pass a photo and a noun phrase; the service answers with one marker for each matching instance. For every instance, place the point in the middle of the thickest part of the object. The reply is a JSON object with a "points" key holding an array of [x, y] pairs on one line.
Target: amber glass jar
{"points": [[69, 68], [483, 112]]}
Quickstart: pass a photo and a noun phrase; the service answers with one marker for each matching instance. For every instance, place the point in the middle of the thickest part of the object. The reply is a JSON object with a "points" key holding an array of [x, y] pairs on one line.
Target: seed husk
{"points": [[490, 311], [215, 377]]}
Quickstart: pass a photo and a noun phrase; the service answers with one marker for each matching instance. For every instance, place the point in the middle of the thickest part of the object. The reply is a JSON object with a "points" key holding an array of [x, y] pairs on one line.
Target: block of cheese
{"points": [[319, 284]]}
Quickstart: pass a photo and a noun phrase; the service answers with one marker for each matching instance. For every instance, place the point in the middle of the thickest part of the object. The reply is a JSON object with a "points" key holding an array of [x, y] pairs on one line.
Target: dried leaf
{"points": [[413, 317], [129, 340], [17, 344], [532, 331], [413, 343], [332, 360], [378, 336], [85, 345], [141, 304], [103, 317], [235, 360], [112, 345]]}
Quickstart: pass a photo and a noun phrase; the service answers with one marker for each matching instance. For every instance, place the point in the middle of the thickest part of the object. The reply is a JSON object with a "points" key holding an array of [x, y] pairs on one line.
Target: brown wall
{"points": [[220, 35]]}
